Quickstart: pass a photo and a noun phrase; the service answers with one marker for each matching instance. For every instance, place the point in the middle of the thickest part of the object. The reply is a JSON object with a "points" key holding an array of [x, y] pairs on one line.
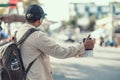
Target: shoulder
{"points": [[38, 34]]}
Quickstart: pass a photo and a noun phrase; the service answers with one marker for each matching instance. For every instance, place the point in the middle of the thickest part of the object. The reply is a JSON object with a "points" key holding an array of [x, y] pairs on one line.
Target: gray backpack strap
{"points": [[30, 31]]}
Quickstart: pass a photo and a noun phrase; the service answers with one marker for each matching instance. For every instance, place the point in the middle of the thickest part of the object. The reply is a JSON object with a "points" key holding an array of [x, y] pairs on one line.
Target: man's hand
{"points": [[89, 43]]}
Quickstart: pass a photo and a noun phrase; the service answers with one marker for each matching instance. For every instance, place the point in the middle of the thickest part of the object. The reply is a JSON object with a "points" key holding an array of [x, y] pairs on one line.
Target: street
{"points": [[104, 65], [67, 22]]}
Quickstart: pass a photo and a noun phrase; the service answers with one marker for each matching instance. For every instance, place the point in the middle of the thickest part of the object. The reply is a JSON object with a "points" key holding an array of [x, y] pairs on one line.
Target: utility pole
{"points": [[112, 11]]}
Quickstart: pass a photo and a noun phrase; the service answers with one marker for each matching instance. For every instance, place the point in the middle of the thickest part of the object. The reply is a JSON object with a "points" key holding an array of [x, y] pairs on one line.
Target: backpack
{"points": [[11, 60]]}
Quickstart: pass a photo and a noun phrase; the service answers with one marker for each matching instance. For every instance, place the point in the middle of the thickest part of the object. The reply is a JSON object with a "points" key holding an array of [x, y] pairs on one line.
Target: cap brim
{"points": [[44, 15]]}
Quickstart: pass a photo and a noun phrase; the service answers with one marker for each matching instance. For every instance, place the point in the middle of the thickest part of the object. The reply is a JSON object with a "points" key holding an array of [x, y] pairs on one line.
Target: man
{"points": [[39, 45]]}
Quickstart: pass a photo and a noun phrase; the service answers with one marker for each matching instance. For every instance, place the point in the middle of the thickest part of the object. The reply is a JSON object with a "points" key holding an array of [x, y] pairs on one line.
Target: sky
{"points": [[58, 10]]}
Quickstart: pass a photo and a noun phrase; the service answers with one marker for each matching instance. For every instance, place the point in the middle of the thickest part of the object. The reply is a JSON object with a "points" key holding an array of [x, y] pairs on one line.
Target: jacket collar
{"points": [[29, 25]]}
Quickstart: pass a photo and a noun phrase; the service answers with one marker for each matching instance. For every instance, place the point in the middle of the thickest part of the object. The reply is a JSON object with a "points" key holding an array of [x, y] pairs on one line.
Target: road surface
{"points": [[105, 65]]}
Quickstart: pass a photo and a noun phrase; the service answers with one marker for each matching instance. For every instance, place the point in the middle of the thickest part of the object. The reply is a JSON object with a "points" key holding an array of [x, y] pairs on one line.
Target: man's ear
{"points": [[41, 20]]}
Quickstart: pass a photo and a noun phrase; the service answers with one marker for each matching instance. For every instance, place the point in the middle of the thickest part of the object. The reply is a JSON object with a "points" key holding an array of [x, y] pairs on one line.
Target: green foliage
{"points": [[92, 22], [117, 29], [118, 4], [73, 20], [2, 11]]}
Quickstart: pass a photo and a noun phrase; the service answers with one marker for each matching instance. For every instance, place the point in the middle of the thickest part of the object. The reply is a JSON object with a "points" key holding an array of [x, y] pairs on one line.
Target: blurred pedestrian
{"points": [[101, 41], [39, 45], [3, 35]]}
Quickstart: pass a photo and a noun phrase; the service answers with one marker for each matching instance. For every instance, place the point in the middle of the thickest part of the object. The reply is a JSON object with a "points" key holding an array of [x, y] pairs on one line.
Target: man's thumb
{"points": [[88, 37]]}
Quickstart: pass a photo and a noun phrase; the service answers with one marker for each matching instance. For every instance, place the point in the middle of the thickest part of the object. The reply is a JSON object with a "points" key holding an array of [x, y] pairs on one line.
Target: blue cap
{"points": [[34, 12]]}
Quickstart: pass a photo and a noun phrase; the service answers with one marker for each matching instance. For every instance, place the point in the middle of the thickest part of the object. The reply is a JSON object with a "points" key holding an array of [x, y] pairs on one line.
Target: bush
{"points": [[117, 29]]}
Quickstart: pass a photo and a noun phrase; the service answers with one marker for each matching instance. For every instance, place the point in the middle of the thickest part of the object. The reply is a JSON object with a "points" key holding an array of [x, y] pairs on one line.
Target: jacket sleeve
{"points": [[50, 47]]}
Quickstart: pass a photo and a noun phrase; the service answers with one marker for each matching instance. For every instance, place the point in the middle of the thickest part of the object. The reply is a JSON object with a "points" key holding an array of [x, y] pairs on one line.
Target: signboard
{"points": [[14, 2], [8, 3]]}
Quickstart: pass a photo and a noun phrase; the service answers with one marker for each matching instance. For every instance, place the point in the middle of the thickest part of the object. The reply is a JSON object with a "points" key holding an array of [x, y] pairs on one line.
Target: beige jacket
{"points": [[41, 46]]}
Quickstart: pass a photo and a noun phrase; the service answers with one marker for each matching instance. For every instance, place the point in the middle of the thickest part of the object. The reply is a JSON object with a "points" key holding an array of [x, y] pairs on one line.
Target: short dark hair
{"points": [[32, 21]]}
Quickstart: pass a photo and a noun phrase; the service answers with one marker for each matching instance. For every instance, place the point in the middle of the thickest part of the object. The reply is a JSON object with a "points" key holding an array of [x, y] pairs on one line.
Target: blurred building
{"points": [[89, 9], [93, 9], [105, 15]]}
